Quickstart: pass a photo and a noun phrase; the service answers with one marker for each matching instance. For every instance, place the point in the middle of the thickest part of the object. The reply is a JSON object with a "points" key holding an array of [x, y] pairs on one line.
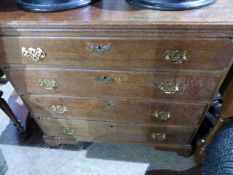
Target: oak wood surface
{"points": [[110, 12], [138, 37], [124, 84], [125, 52], [110, 131], [116, 110]]}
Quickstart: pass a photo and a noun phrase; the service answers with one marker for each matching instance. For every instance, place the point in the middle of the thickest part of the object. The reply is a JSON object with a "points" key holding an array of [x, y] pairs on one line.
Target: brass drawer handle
{"points": [[69, 131], [162, 115], [169, 88], [61, 109], [100, 48], [34, 54], [159, 136], [176, 57], [48, 83], [105, 79]]}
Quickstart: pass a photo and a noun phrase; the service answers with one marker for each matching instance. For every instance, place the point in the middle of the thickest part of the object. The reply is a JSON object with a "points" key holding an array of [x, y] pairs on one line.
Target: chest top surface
{"points": [[118, 12]]}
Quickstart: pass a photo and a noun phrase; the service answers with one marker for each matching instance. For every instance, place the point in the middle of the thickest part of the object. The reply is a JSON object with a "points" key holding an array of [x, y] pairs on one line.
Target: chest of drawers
{"points": [[115, 73]]}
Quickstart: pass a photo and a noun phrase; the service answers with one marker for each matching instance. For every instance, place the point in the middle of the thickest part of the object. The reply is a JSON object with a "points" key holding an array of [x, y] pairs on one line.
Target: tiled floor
{"points": [[33, 157]]}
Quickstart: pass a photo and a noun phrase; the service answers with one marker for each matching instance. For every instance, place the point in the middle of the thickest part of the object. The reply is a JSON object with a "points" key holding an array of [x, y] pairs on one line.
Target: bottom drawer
{"points": [[116, 132]]}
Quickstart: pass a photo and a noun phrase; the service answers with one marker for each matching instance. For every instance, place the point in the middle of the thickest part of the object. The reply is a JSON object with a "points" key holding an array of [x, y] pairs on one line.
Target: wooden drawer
{"points": [[143, 52], [120, 132], [146, 85], [116, 110]]}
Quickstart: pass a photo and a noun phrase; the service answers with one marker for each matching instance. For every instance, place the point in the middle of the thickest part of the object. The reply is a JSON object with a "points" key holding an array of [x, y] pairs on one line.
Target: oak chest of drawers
{"points": [[115, 73]]}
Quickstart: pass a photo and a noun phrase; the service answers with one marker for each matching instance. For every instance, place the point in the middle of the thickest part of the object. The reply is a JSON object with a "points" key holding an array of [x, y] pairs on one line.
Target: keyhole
{"points": [[109, 105], [111, 127], [99, 48]]}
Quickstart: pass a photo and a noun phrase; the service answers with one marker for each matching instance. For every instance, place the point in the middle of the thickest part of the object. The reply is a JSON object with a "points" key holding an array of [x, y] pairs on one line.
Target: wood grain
{"points": [[110, 131], [135, 65], [116, 110], [125, 53], [125, 84], [112, 13]]}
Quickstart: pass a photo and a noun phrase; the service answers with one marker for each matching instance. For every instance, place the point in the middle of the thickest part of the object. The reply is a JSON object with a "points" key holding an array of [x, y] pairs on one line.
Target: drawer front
{"points": [[118, 52], [105, 131], [146, 85], [116, 110]]}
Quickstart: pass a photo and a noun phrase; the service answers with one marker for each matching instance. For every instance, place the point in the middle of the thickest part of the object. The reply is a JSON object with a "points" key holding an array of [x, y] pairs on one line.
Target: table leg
{"points": [[6, 109], [204, 142]]}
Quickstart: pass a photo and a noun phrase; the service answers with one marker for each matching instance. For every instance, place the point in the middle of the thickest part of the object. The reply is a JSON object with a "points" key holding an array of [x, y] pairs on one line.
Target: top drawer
{"points": [[131, 53]]}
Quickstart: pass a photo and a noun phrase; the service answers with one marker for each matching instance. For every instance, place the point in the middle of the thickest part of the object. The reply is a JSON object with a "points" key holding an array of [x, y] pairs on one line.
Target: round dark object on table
{"points": [[51, 5], [171, 4]]}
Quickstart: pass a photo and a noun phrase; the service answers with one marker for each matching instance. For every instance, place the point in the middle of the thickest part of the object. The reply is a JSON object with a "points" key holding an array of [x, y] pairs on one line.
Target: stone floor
{"points": [[33, 157]]}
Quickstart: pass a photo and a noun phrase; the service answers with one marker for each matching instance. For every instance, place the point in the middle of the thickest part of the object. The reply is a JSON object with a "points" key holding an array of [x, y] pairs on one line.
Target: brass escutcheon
{"points": [[34, 54], [105, 79], [109, 105], [99, 48], [176, 57]]}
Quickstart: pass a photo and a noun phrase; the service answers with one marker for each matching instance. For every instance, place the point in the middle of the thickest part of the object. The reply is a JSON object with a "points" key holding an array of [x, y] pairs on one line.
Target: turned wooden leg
{"points": [[204, 142], [5, 107]]}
